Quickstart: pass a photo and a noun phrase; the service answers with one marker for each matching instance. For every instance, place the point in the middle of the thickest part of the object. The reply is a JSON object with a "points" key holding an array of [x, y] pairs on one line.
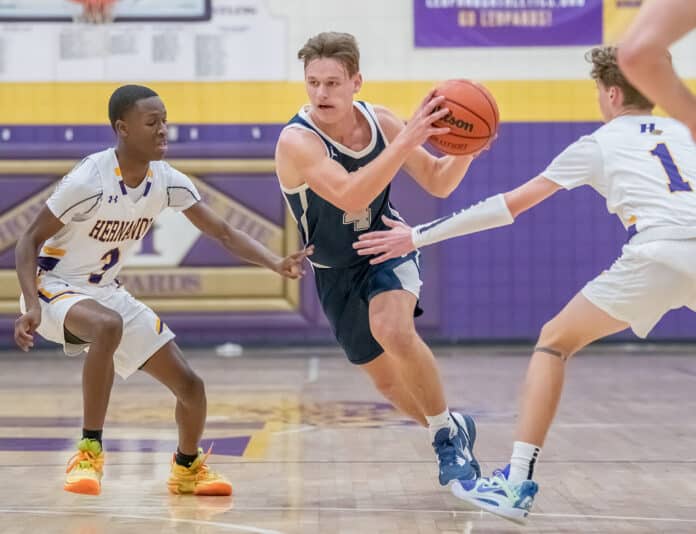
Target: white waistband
{"points": [[662, 233]]}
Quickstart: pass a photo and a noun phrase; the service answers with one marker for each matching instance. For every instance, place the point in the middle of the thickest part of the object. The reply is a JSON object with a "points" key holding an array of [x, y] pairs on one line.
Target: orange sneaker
{"points": [[197, 479], [85, 468]]}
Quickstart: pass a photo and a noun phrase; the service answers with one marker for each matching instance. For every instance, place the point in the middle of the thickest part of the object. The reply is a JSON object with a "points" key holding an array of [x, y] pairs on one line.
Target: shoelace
{"points": [[203, 472], [447, 452], [498, 480], [86, 460]]}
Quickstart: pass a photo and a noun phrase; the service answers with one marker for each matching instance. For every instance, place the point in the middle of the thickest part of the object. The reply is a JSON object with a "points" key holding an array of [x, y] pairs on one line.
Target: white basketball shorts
{"points": [[143, 331], [647, 281]]}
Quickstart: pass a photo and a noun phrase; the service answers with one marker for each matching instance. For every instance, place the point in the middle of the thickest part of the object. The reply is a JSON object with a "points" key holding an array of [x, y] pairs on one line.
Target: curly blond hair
{"points": [[606, 69]]}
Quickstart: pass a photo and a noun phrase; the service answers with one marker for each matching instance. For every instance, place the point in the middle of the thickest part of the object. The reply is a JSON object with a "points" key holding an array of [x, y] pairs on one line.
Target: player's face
{"points": [[330, 89], [146, 128]]}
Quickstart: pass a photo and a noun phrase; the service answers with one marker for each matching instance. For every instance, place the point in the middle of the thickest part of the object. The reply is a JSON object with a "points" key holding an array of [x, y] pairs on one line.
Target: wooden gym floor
{"points": [[311, 448]]}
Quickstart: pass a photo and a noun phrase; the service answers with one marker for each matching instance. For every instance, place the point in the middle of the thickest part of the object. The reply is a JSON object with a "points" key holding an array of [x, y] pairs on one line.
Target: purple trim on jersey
{"points": [[631, 231], [123, 187], [47, 263], [148, 185], [48, 299]]}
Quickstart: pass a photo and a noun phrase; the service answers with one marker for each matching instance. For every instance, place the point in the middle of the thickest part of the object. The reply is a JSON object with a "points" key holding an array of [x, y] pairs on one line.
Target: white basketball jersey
{"points": [[103, 223], [644, 166]]}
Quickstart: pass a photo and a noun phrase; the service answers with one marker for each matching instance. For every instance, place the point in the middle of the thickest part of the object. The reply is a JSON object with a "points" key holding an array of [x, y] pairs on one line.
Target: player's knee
{"points": [[111, 325], [394, 336], [554, 341], [191, 388]]}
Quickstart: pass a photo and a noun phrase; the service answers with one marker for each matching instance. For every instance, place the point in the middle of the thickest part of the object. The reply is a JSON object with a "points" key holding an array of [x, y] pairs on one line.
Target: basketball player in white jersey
{"points": [[336, 159], [79, 241], [643, 165], [645, 60]]}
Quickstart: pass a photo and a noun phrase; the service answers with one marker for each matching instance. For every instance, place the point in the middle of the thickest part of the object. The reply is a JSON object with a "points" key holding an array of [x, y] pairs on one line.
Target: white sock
{"points": [[437, 422], [524, 457]]}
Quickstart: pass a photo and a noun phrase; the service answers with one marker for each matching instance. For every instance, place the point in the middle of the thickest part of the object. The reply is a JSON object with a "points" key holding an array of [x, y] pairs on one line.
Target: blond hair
{"points": [[335, 45], [606, 69]]}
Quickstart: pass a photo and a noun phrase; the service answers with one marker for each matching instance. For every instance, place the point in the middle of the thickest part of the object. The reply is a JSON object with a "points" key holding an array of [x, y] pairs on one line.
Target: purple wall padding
{"points": [[500, 285]]}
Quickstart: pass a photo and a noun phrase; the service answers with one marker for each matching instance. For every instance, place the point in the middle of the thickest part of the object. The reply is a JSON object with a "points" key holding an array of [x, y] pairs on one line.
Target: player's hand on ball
{"points": [[386, 244], [292, 266], [420, 127], [25, 327]]}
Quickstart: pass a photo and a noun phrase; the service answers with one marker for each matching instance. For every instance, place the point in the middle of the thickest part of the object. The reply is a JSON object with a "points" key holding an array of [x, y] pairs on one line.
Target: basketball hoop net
{"points": [[96, 11]]}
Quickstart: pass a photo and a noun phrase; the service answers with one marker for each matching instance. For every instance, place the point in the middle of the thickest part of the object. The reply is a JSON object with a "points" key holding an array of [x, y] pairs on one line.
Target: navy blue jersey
{"points": [[331, 230]]}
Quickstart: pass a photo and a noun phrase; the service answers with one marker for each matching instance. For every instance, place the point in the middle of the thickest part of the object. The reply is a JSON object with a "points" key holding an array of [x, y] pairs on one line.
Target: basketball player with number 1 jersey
{"points": [[335, 160], [67, 264], [645, 167]]}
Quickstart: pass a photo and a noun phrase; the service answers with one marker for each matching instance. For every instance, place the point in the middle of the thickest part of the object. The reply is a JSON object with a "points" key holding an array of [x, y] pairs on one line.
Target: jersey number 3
{"points": [[110, 259], [360, 220], [676, 180]]}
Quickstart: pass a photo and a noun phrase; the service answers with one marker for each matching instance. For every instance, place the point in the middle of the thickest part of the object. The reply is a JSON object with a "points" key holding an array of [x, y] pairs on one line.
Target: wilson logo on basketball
{"points": [[472, 118], [451, 120]]}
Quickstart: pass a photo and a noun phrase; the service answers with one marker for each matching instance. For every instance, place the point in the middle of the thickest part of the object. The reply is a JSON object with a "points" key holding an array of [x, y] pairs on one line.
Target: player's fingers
{"points": [[381, 259], [391, 223], [291, 272], [368, 243], [368, 250], [299, 256], [377, 248], [434, 102], [437, 115], [24, 342], [428, 98], [437, 131], [23, 333]]}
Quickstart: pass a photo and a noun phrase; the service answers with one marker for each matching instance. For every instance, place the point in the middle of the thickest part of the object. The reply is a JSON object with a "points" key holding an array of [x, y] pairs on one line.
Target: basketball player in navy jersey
{"points": [[336, 159]]}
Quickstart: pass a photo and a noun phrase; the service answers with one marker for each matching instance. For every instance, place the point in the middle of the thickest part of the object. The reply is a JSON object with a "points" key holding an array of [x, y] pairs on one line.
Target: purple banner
{"points": [[454, 23]]}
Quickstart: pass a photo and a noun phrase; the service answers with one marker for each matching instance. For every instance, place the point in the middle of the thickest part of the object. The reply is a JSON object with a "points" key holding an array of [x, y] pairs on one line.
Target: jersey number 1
{"points": [[676, 180]]}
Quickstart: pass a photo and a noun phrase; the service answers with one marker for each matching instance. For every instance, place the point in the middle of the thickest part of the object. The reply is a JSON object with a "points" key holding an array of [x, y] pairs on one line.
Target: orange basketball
{"points": [[473, 118]]}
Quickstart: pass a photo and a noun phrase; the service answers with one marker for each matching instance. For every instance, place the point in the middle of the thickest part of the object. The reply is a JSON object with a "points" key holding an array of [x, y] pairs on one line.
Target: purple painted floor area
{"points": [[76, 422], [234, 446]]}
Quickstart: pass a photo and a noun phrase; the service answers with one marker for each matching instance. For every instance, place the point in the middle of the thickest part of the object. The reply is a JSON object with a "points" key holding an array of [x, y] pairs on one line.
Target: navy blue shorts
{"points": [[345, 296]]}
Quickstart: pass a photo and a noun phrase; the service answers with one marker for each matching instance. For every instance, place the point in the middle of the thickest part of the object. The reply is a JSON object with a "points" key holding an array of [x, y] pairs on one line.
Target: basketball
{"points": [[473, 118]]}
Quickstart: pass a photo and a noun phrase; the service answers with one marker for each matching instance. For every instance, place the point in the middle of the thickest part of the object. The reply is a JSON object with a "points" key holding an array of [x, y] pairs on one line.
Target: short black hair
{"points": [[124, 98]]}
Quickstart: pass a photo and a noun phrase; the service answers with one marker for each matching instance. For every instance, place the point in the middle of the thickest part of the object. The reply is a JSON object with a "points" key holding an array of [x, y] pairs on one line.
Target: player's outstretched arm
{"points": [[301, 158], [439, 176], [644, 58], [243, 246], [495, 211], [44, 226]]}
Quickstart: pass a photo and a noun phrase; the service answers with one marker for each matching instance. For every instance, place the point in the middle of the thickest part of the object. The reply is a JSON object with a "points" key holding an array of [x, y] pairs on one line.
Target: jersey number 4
{"points": [[360, 220], [676, 180]]}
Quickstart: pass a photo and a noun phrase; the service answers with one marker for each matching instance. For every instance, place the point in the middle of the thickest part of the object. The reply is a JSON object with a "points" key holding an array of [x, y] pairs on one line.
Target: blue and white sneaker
{"points": [[498, 496], [455, 453]]}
